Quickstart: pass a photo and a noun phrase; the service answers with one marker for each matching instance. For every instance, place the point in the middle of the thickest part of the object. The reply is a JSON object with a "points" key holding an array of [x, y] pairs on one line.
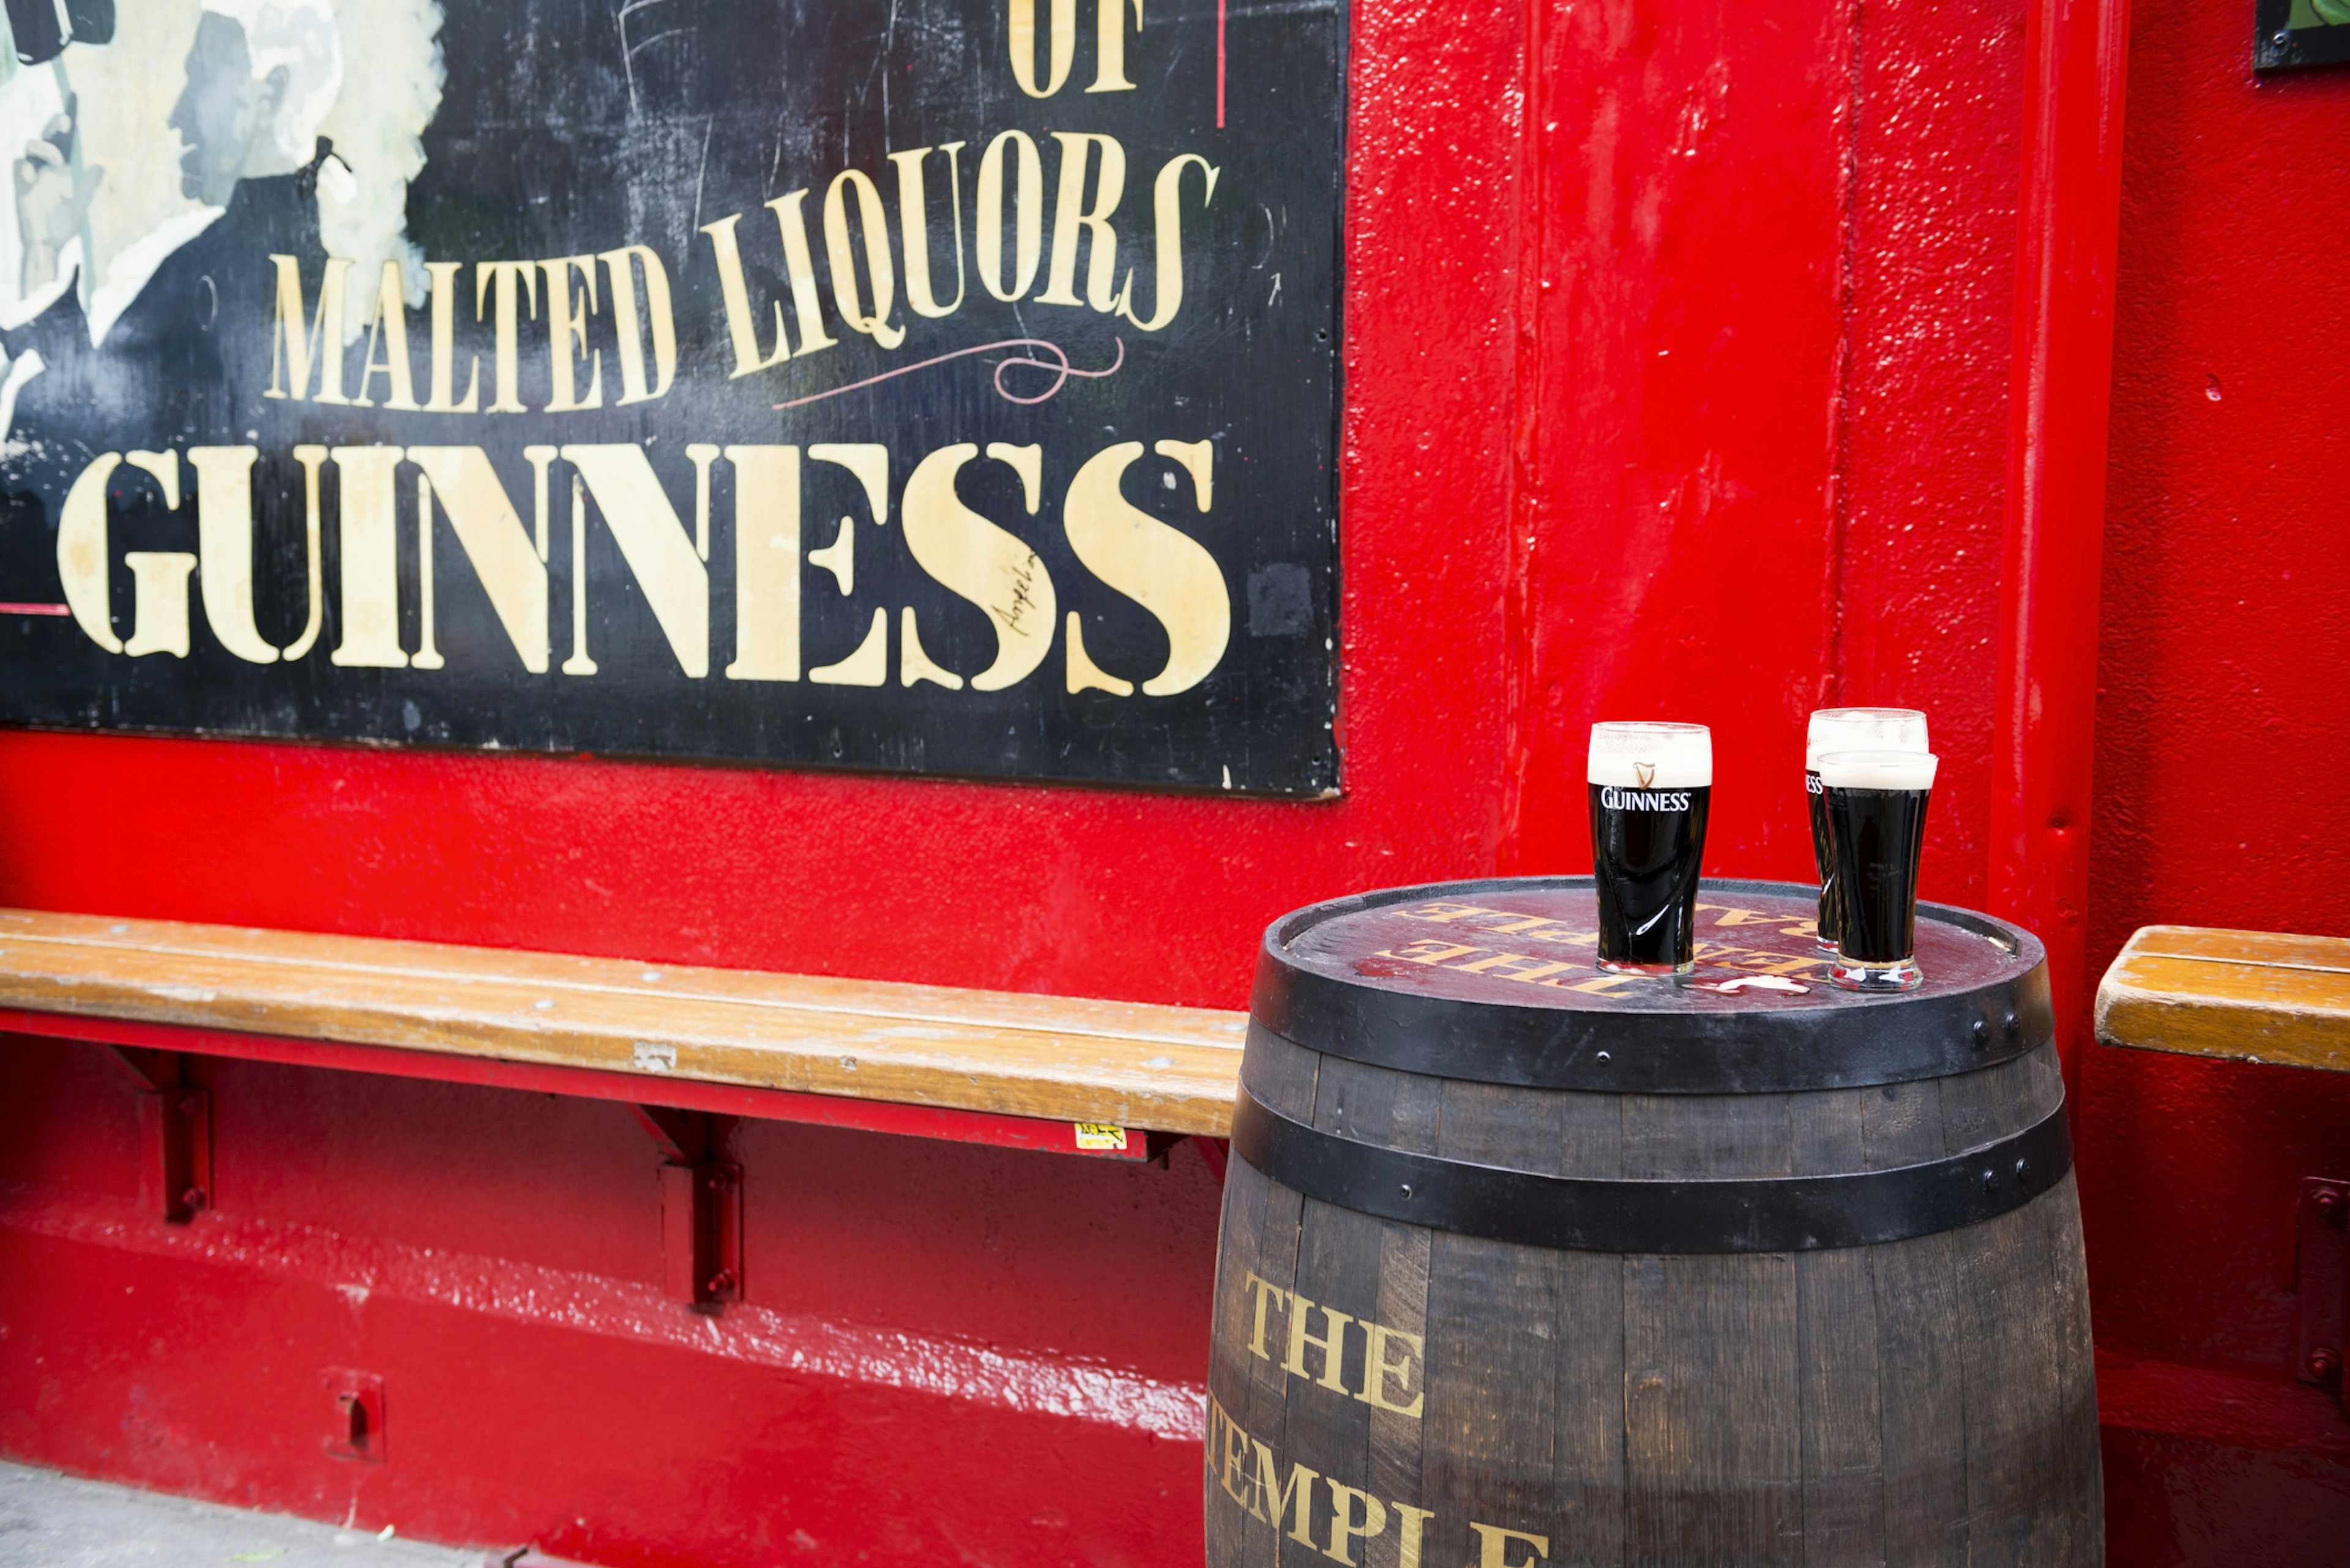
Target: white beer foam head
{"points": [[1651, 756], [1878, 770], [1864, 729]]}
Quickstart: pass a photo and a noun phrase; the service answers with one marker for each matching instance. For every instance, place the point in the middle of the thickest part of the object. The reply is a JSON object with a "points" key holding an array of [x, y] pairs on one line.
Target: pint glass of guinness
{"points": [[1649, 787], [1848, 730], [1875, 806]]}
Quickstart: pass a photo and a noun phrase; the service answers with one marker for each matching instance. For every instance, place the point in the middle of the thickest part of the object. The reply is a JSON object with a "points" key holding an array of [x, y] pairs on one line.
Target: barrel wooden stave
{"points": [[1924, 1401]]}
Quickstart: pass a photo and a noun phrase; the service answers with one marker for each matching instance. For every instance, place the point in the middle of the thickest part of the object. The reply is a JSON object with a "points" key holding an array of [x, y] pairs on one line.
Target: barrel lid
{"points": [[1495, 981]]}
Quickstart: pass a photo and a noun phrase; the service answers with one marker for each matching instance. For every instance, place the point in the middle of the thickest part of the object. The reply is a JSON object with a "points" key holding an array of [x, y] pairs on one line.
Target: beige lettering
{"points": [[1299, 1486], [1027, 216], [1493, 1544], [539, 458], [444, 345], [579, 661], [428, 652], [913, 226], [225, 544], [1519, 966], [1234, 1467], [1344, 1501], [741, 329], [1071, 220], [567, 335], [490, 531], [159, 578], [297, 342], [1428, 950], [1771, 963], [1737, 917], [658, 317], [767, 563], [869, 665], [985, 565], [1408, 1534], [1442, 913], [1264, 1292], [1063, 42], [506, 279], [390, 328], [1110, 38], [846, 296], [310, 458], [791, 223], [1333, 1344], [1530, 923], [653, 541], [83, 567], [1167, 221], [370, 552], [1162, 568], [1377, 1369], [159, 581]]}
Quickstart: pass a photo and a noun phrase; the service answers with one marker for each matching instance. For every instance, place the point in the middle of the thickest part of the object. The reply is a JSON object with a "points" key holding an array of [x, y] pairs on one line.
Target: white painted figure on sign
{"points": [[130, 146]]}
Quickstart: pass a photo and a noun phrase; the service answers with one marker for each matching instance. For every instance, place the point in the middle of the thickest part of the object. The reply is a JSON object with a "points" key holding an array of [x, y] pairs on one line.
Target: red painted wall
{"points": [[1677, 348], [2226, 649], [1675, 362]]}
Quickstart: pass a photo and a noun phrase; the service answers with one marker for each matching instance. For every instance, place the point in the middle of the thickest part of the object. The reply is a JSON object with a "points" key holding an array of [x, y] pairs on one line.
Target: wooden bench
{"points": [[2253, 997], [683, 1048], [1037, 1072], [2249, 996]]}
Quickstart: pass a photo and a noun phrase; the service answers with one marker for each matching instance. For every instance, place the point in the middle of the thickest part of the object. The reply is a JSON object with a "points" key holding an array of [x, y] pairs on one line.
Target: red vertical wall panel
{"points": [[1936, 112], [1691, 165], [2223, 741]]}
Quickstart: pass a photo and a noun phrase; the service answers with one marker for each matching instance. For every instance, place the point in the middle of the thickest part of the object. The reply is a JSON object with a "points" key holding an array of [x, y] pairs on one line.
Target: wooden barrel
{"points": [[1526, 1265]]}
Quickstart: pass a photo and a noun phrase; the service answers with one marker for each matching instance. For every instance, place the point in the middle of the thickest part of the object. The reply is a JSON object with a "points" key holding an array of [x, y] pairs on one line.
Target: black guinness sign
{"points": [[931, 385]]}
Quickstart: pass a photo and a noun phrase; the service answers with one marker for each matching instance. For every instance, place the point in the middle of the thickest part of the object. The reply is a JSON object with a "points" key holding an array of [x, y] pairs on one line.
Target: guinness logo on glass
{"points": [[1644, 800], [1646, 773]]}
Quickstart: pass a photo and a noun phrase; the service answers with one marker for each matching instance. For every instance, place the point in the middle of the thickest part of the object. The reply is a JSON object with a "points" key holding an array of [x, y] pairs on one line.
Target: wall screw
{"points": [[194, 1198], [721, 1283], [2328, 1203], [2323, 1363]]}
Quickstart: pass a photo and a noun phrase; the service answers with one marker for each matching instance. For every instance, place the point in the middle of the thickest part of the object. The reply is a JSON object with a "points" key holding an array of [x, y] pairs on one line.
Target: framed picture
{"points": [[2294, 33]]}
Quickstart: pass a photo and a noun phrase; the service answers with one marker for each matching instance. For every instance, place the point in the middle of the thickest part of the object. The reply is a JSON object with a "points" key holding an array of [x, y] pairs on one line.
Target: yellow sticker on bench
{"points": [[1099, 1135]]}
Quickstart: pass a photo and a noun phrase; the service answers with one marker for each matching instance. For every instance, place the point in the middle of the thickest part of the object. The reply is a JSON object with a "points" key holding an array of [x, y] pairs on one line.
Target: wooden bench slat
{"points": [[2253, 996], [1169, 1069], [2277, 948]]}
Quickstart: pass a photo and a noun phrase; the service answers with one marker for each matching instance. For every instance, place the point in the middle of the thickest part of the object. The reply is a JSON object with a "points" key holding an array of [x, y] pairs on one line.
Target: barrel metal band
{"points": [[1758, 1214]]}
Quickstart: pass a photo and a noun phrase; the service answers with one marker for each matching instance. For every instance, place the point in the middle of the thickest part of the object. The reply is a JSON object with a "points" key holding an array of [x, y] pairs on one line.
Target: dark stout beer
{"points": [[1649, 786], [1848, 730], [1876, 809]]}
